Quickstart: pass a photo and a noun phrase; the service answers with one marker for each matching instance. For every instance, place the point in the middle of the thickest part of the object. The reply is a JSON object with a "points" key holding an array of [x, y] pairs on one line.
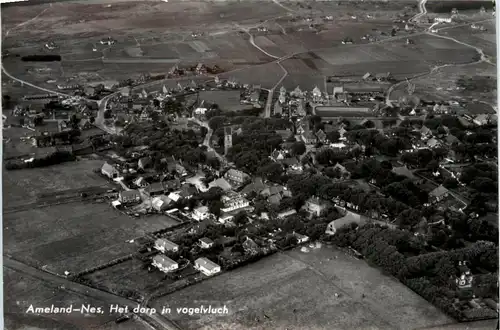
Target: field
{"points": [[486, 40], [226, 100], [442, 84], [297, 290]]}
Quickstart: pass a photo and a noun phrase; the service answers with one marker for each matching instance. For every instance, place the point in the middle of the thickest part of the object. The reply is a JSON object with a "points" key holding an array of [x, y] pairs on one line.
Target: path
{"points": [[157, 320], [284, 7]]}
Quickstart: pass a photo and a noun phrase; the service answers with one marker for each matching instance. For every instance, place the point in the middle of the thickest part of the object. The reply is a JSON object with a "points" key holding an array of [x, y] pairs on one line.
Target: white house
{"points": [[301, 238], [110, 171], [234, 203], [442, 19], [316, 93], [344, 221], [206, 266], [164, 245], [164, 263], [206, 243], [201, 213]]}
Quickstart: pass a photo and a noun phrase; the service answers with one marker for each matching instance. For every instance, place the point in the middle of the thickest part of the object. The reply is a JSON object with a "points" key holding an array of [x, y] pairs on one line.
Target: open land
{"points": [[294, 289]]}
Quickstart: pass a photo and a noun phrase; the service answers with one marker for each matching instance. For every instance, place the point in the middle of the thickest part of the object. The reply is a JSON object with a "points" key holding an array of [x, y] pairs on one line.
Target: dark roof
{"points": [[155, 187], [439, 191]]}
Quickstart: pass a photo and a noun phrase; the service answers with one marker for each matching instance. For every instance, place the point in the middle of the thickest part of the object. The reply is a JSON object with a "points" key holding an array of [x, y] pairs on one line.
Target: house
{"points": [[164, 245], [315, 206], [348, 219], [110, 171], [236, 176], [221, 183], [129, 196], [404, 171], [286, 213], [206, 243], [257, 186], [161, 203], [309, 138], [232, 203], [164, 263], [171, 184], [321, 135], [297, 92], [206, 266], [140, 182], [155, 189], [201, 213], [188, 190], [432, 143], [425, 132], [301, 238], [438, 194], [85, 124], [481, 120], [316, 92], [451, 140], [181, 170], [174, 196], [344, 173], [277, 155], [278, 109], [144, 162]]}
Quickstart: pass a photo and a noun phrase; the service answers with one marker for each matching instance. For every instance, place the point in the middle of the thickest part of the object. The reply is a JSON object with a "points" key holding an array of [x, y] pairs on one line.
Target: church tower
{"points": [[228, 139]]}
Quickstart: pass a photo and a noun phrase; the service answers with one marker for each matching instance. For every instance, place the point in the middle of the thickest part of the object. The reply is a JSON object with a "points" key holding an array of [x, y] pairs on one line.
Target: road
{"points": [[206, 141], [422, 10], [157, 320]]}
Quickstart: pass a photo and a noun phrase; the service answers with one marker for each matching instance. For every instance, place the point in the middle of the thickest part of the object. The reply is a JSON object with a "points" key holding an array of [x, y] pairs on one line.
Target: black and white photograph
{"points": [[249, 165]]}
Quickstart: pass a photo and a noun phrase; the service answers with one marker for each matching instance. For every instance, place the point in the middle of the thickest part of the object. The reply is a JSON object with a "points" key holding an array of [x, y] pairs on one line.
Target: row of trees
{"points": [[52, 159]]}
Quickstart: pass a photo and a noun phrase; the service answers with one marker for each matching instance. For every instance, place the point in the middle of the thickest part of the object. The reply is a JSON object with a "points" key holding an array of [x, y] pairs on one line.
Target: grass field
{"points": [[20, 291], [26, 185], [297, 290], [485, 40]]}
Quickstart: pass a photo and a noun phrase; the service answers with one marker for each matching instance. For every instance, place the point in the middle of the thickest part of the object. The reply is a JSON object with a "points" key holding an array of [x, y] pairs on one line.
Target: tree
{"points": [[298, 148], [215, 207], [108, 114], [91, 119], [21, 121], [333, 136]]}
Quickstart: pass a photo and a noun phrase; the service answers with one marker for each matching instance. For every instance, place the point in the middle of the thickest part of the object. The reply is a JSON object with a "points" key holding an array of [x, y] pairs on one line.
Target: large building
{"points": [[336, 111]]}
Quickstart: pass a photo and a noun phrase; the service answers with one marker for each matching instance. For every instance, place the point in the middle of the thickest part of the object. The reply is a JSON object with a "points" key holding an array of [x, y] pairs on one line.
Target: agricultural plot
{"points": [[76, 236], [159, 51], [319, 290], [235, 48], [226, 100], [484, 40], [128, 275], [288, 43], [442, 84], [19, 295], [24, 186], [268, 46], [266, 75]]}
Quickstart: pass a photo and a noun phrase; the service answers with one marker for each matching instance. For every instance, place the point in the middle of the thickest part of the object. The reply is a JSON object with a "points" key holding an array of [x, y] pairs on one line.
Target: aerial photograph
{"points": [[250, 164]]}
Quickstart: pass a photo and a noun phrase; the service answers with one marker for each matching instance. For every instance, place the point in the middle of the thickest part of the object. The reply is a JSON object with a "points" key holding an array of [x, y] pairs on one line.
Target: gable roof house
{"points": [[188, 190], [438, 194], [160, 203], [221, 183], [404, 171], [144, 162], [236, 176], [164, 263], [321, 135], [348, 219], [154, 189], [315, 206], [432, 143], [109, 170], [345, 174], [425, 131], [129, 196], [206, 243], [309, 138], [206, 266], [257, 186], [163, 245]]}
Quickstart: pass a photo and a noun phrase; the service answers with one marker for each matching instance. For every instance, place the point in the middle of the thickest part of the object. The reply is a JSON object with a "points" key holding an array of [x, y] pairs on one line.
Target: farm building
{"points": [[206, 266], [109, 170], [164, 263], [129, 196], [164, 245]]}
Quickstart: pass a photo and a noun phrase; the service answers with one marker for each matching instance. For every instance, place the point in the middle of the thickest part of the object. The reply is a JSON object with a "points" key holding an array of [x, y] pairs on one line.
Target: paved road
{"points": [[422, 10], [157, 320]]}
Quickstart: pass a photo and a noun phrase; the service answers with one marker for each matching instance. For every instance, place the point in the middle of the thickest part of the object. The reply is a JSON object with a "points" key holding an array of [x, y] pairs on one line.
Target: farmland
{"points": [[486, 40], [442, 84], [298, 290]]}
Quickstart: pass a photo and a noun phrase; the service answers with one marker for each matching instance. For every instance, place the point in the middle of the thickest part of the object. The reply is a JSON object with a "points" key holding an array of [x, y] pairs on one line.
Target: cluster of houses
{"points": [[167, 265]]}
